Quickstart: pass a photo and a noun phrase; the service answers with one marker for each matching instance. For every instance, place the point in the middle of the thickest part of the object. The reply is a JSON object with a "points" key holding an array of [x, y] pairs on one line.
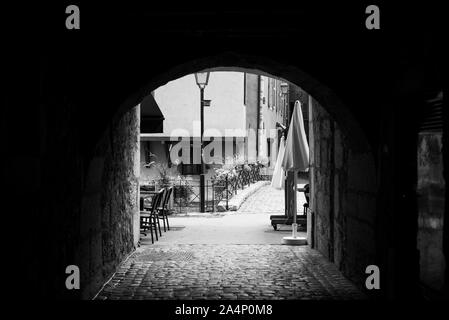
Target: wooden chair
{"points": [[156, 209], [149, 219], [163, 208]]}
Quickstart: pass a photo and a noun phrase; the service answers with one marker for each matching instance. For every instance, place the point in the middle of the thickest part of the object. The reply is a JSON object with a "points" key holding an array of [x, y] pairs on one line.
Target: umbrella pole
{"points": [[294, 239], [294, 224]]}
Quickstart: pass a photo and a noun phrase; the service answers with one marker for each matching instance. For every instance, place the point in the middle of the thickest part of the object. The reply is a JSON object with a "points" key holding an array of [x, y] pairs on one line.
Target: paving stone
{"points": [[239, 272], [230, 271]]}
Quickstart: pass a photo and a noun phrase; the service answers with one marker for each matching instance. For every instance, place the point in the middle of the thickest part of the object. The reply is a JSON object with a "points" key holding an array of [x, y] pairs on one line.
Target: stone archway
{"points": [[84, 77], [343, 166]]}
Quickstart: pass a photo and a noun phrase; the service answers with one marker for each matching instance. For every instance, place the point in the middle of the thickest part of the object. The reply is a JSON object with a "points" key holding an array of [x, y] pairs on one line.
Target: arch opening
{"points": [[340, 222], [231, 61]]}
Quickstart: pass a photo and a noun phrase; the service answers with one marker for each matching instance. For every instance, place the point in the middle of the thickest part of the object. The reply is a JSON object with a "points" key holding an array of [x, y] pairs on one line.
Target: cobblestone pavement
{"points": [[241, 264], [268, 200], [228, 272]]}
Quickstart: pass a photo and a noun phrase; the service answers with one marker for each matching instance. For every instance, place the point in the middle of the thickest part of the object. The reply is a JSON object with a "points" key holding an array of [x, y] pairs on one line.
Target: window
{"points": [[262, 92], [268, 150], [190, 169], [270, 95], [244, 88], [195, 168], [146, 151]]}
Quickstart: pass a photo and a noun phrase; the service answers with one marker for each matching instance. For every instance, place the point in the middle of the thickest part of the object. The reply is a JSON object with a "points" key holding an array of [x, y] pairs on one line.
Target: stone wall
{"points": [[46, 176], [343, 197], [431, 189], [109, 214]]}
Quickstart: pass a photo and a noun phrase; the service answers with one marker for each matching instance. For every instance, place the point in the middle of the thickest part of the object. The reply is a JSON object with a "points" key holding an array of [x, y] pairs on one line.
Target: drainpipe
{"points": [[258, 116]]}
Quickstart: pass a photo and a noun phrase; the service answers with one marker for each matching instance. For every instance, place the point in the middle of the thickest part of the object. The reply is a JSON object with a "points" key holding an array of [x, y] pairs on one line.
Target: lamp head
{"points": [[202, 78]]}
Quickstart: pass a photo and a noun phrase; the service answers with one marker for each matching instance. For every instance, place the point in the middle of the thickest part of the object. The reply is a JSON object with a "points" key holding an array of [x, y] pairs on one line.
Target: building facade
{"points": [[240, 122]]}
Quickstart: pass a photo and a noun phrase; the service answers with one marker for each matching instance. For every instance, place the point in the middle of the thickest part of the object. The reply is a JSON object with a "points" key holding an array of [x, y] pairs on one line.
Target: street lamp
{"points": [[202, 78]]}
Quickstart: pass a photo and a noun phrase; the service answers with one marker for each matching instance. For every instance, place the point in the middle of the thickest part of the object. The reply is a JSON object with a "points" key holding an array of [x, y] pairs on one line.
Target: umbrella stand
{"points": [[294, 240]]}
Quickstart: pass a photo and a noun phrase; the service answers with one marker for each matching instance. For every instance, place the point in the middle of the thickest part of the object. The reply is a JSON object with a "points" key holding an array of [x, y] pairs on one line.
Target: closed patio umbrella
{"points": [[296, 155], [278, 179], [296, 158]]}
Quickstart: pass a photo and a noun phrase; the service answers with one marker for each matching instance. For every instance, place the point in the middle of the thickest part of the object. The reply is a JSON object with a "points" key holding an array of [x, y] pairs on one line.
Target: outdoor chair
{"points": [[156, 208], [163, 208], [149, 220]]}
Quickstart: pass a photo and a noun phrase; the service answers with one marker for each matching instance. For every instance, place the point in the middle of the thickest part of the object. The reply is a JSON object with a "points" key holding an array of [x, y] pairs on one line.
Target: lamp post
{"points": [[202, 78]]}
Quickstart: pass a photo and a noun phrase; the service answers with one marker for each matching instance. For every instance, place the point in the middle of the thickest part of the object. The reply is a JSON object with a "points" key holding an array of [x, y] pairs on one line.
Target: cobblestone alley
{"points": [[231, 256]]}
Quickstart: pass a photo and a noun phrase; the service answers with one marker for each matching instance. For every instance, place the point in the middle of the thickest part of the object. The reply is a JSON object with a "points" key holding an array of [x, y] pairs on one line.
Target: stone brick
{"points": [[109, 208], [352, 176], [361, 172], [245, 272]]}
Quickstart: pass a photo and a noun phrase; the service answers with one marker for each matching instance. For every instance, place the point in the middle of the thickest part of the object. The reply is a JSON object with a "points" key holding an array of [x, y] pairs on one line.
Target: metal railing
{"points": [[186, 193]]}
